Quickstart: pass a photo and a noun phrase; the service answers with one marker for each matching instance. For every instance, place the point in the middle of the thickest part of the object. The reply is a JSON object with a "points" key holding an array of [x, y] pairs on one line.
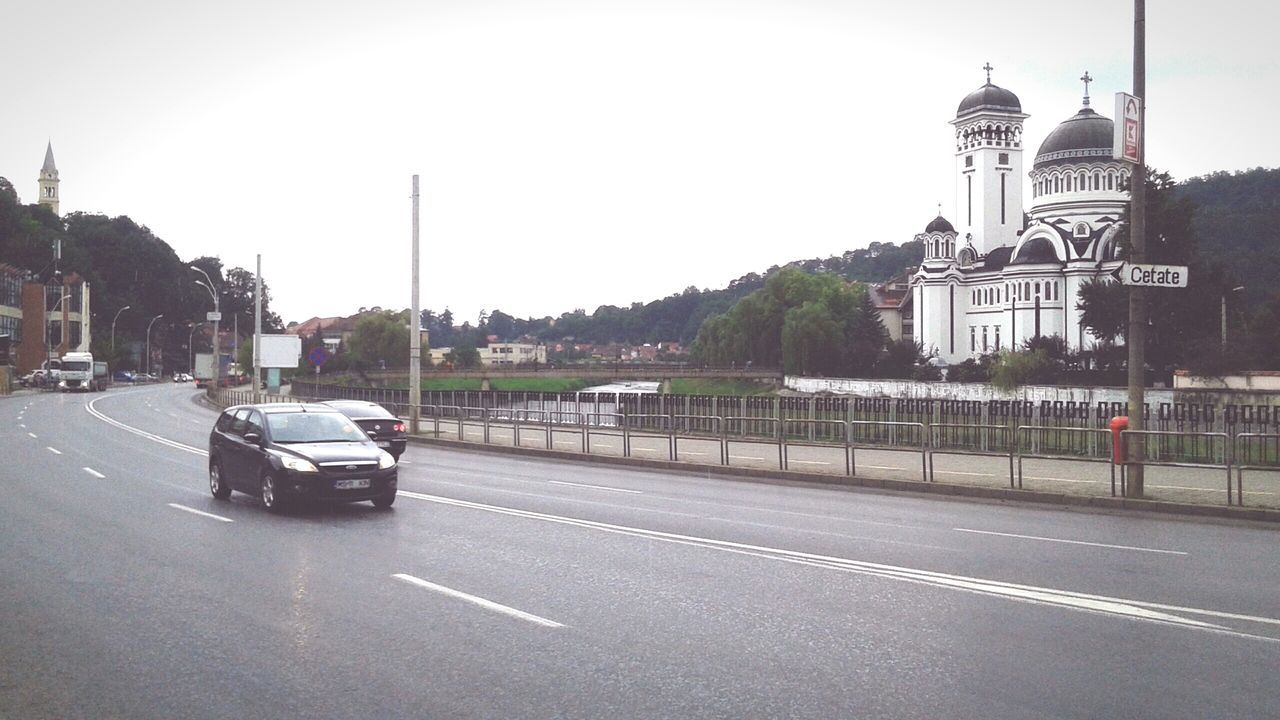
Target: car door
{"points": [[255, 457], [234, 457]]}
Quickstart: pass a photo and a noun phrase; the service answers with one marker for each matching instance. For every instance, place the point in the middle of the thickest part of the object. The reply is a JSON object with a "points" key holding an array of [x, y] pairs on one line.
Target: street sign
{"points": [[1157, 276], [317, 356], [1126, 143], [212, 316]]}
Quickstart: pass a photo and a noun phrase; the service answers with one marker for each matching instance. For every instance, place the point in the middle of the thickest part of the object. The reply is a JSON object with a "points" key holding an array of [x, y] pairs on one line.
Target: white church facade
{"points": [[1001, 275]]}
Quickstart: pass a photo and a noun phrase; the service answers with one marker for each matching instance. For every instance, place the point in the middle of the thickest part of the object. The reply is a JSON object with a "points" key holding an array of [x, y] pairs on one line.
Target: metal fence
{"points": [[1009, 431]]}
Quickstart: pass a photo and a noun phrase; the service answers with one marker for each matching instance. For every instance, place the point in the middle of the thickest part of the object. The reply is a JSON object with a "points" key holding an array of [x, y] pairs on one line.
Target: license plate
{"points": [[351, 484], [384, 443]]}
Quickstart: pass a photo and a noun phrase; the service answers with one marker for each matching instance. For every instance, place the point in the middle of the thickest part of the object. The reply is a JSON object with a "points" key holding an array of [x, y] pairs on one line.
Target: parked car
{"points": [[379, 424], [287, 453], [122, 376]]}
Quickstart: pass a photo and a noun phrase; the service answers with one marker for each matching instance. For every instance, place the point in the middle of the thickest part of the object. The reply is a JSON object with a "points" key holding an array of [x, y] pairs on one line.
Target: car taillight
{"points": [[400, 427]]}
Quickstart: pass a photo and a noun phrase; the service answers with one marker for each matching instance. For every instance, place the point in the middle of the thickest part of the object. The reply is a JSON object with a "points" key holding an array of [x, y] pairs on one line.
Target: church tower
{"points": [[49, 181], [989, 167]]}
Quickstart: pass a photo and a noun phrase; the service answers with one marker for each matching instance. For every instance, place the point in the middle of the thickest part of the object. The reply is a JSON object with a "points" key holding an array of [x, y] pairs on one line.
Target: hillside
{"points": [[1237, 223]]}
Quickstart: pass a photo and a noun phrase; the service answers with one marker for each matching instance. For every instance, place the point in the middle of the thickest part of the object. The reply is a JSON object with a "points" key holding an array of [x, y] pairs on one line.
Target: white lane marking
{"points": [[687, 452], [595, 487], [1066, 599], [53, 450], [601, 445], [200, 512], [1203, 489], [90, 406], [93, 472], [962, 472], [404, 462], [570, 442], [882, 467], [1070, 542], [475, 600], [24, 427], [634, 450], [1066, 480], [808, 462], [31, 434], [744, 457]]}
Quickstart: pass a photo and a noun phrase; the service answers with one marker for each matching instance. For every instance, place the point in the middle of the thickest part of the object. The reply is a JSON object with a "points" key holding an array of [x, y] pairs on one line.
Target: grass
{"points": [[707, 386]]}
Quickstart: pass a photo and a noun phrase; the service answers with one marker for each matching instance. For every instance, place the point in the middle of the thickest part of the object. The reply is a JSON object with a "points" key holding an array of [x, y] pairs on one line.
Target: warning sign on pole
{"points": [[1126, 143]]}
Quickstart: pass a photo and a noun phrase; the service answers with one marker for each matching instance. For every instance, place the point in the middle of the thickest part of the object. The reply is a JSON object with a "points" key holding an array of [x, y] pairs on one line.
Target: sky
{"points": [[575, 153]]}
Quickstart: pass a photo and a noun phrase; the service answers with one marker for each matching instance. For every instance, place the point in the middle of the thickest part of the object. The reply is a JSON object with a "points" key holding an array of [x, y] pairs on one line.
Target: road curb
{"points": [[1229, 512]]}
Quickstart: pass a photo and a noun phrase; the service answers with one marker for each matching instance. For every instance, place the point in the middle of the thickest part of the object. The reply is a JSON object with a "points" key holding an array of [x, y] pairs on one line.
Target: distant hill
{"points": [[1237, 223]]}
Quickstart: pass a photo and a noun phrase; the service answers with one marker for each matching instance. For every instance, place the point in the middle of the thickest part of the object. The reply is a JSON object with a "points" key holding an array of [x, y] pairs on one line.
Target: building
{"points": [[43, 320], [503, 354], [49, 181], [893, 303], [1004, 273]]}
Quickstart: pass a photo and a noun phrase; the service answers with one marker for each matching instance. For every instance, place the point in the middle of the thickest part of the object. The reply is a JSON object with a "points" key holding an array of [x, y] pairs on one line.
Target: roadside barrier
{"points": [[1255, 452], [1206, 450], [1085, 445]]}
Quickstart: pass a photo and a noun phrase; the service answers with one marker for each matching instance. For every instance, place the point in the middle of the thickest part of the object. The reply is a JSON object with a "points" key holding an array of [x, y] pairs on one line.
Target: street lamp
{"points": [[191, 349], [153, 321], [113, 330], [1224, 314], [46, 334], [217, 316]]}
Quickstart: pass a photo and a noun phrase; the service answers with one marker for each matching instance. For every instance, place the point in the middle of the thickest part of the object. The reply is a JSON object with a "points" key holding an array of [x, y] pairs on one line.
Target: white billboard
{"points": [[280, 351]]}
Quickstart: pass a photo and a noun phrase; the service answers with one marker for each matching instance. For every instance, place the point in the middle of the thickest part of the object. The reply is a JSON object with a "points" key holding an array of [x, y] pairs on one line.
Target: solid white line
{"points": [[31, 434], [55, 451], [744, 457], [1071, 542], [1066, 480], [882, 467], [200, 512], [808, 462], [90, 406], [600, 445], [1065, 599], [962, 472], [595, 487], [487, 604], [93, 472]]}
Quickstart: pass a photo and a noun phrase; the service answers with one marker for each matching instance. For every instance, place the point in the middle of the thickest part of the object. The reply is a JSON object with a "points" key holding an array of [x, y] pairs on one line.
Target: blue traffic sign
{"points": [[317, 356]]}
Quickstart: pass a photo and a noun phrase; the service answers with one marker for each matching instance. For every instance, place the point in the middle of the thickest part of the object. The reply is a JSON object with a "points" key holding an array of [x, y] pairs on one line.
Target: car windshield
{"points": [[75, 365], [309, 427]]}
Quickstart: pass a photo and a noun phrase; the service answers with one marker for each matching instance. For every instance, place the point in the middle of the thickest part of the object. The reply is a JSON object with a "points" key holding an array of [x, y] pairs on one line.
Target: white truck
{"points": [[203, 369], [77, 372]]}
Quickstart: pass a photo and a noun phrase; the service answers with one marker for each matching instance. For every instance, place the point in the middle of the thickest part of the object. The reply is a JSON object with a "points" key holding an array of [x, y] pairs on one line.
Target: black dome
{"points": [[939, 224], [1039, 250], [1083, 137], [989, 97]]}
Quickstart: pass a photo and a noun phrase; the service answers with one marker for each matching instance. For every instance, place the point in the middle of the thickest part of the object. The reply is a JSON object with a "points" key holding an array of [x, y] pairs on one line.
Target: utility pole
{"points": [[1137, 339], [257, 329], [415, 333]]}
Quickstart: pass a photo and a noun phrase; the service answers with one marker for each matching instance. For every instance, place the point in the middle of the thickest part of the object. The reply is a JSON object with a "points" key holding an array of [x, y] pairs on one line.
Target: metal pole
{"points": [[1138, 254], [153, 322], [257, 330], [113, 329], [1224, 321], [415, 328], [217, 314]]}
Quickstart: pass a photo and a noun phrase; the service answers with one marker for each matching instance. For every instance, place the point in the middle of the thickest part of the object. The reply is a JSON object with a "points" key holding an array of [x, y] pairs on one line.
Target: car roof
{"points": [[278, 408], [359, 405]]}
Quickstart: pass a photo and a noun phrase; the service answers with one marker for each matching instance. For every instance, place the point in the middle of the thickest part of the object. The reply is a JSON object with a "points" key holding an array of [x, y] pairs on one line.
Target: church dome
{"points": [[939, 225], [1083, 137], [989, 97], [1036, 251]]}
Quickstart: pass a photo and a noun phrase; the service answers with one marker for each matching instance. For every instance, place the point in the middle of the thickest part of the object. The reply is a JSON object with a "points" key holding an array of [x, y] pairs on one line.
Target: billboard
{"points": [[280, 351], [1127, 142]]}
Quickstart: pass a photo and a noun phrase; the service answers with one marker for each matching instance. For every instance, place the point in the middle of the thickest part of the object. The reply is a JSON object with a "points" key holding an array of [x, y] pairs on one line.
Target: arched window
{"points": [[1026, 290], [1097, 180], [1070, 182], [1037, 287]]}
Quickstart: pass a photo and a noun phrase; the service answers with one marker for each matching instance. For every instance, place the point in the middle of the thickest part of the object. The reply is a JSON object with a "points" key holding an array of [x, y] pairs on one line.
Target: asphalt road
{"points": [[503, 587]]}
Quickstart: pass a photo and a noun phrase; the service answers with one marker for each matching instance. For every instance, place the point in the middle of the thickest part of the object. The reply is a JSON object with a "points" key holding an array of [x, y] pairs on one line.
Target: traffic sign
{"points": [[1158, 276], [1126, 143], [317, 356], [212, 316]]}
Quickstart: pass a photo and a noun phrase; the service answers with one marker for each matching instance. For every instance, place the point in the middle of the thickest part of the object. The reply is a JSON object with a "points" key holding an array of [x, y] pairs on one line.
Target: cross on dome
{"points": [[988, 68], [1086, 80]]}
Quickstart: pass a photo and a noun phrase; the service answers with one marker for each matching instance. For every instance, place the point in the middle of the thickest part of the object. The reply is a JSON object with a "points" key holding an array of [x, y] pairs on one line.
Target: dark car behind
{"points": [[385, 429]]}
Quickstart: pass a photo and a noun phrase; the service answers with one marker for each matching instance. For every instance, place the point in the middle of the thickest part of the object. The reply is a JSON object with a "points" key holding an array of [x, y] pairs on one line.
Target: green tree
{"points": [[463, 357], [381, 338], [1104, 309], [810, 340]]}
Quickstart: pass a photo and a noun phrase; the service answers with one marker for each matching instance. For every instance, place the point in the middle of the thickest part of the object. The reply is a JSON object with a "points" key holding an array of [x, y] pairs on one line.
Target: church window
{"points": [[1070, 182], [1002, 177], [1004, 158], [968, 161], [1057, 184], [1081, 230], [997, 337], [1037, 287], [969, 185], [984, 338], [973, 338], [1097, 181], [1111, 181], [1026, 290]]}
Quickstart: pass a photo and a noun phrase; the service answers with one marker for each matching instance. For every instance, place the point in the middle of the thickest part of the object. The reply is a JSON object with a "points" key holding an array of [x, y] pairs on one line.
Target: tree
{"points": [[810, 337], [1104, 309], [463, 357], [381, 338]]}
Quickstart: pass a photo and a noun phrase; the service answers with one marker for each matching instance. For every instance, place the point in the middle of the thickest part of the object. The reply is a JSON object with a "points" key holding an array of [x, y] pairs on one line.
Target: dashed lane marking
{"points": [[93, 472], [53, 450], [595, 487], [477, 600], [201, 513], [1070, 542]]}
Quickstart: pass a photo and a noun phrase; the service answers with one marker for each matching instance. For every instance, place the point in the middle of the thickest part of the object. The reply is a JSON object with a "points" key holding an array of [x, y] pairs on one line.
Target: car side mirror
{"points": [[253, 438]]}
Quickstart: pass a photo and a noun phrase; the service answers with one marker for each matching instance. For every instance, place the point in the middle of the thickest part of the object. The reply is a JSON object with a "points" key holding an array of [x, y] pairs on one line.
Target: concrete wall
{"points": [[1248, 381]]}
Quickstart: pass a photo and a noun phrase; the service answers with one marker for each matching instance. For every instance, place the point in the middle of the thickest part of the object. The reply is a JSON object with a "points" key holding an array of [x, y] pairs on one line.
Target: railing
{"points": [[1254, 451], [1086, 445], [1206, 450]]}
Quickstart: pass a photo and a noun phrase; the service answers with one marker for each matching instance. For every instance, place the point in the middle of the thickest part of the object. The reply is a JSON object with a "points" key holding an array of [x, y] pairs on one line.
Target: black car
{"points": [[285, 453], [383, 428]]}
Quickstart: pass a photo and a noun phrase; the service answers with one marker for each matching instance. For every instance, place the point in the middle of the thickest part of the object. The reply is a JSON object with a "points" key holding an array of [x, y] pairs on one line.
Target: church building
{"points": [[1002, 273]]}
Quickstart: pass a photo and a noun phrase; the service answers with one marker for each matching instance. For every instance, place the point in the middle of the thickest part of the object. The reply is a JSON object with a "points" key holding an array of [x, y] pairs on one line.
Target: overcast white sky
{"points": [[577, 153]]}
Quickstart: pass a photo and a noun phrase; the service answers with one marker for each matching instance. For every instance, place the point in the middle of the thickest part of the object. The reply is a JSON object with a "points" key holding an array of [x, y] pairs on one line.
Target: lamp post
{"points": [[191, 349], [153, 321], [217, 316], [46, 335], [1224, 314], [113, 329]]}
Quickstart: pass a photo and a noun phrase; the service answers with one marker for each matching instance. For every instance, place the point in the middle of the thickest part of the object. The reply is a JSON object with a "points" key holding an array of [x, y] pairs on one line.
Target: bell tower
{"points": [[49, 181], [988, 127]]}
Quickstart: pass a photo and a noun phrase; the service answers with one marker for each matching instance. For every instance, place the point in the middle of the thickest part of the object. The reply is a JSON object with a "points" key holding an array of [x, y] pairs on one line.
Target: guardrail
{"points": [[1214, 451]]}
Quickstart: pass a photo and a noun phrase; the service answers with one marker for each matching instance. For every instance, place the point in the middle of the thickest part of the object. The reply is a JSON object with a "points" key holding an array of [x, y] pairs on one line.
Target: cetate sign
{"points": [[1159, 276]]}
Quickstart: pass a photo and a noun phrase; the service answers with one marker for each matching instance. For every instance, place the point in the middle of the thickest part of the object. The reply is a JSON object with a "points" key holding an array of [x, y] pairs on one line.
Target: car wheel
{"points": [[270, 500], [385, 501], [217, 485]]}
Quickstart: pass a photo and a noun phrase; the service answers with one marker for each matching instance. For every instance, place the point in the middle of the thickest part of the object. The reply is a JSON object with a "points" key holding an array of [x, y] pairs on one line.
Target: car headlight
{"points": [[298, 464], [385, 460]]}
